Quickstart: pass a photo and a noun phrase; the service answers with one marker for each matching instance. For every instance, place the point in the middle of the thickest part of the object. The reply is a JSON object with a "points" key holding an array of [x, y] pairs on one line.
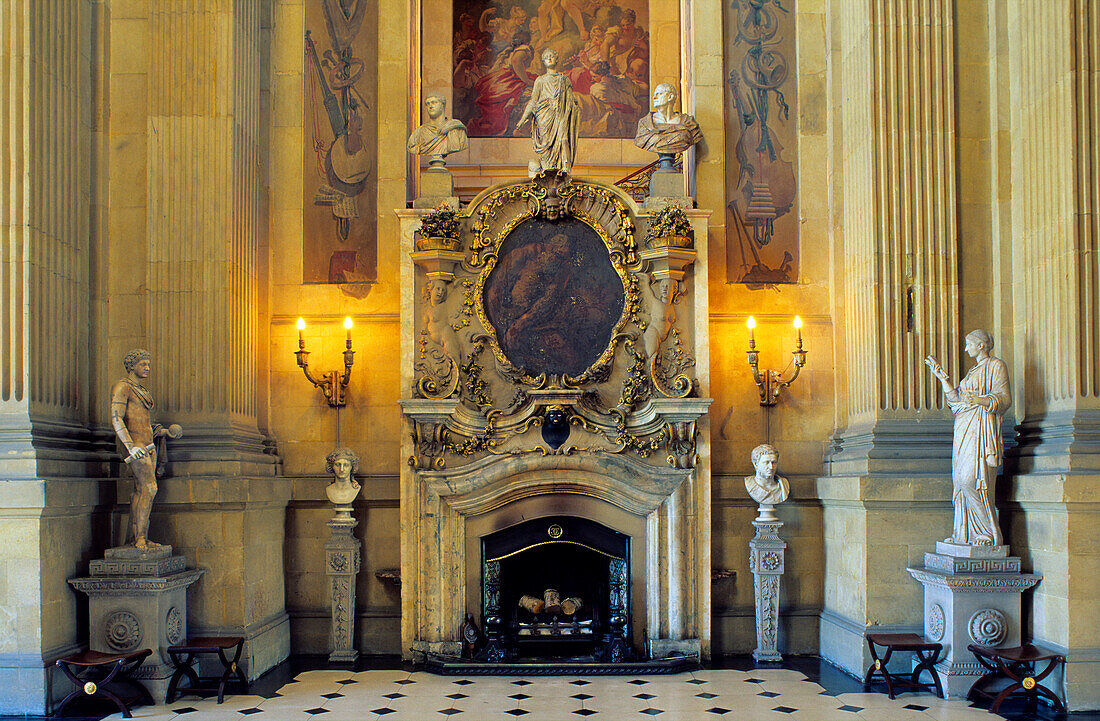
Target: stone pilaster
{"points": [[1053, 59], [886, 491], [50, 504], [187, 231]]}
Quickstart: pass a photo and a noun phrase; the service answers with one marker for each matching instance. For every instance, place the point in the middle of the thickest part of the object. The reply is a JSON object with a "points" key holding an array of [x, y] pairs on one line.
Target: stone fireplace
{"points": [[520, 470]]}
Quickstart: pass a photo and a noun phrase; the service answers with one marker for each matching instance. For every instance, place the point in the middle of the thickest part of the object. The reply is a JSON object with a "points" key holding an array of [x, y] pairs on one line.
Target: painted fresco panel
{"points": [[762, 240], [603, 46], [339, 218]]}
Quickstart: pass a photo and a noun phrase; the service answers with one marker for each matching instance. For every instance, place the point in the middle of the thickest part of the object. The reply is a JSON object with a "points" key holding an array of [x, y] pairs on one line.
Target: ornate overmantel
{"points": [[555, 360]]}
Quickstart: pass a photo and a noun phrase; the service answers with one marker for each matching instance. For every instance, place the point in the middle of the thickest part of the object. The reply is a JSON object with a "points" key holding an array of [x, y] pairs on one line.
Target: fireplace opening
{"points": [[556, 588]]}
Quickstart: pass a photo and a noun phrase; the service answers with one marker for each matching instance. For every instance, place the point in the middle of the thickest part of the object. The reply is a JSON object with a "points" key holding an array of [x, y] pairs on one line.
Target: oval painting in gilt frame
{"points": [[554, 298]]}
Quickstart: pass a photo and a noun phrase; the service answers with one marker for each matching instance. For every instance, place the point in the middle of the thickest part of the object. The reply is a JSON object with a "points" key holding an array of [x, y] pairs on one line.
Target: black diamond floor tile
{"points": [[852, 709], [463, 682], [585, 712], [638, 682], [456, 696], [580, 682], [579, 696], [768, 694], [252, 710], [784, 709], [754, 680], [402, 681], [348, 681], [522, 682], [706, 694], [383, 711], [331, 696], [450, 711], [316, 711], [651, 711], [521, 696], [394, 695], [697, 681], [517, 711], [718, 710], [185, 709], [915, 707], [644, 696]]}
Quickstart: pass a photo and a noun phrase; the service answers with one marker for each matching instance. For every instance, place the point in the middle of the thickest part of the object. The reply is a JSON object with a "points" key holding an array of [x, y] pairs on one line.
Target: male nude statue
{"points": [[131, 416]]}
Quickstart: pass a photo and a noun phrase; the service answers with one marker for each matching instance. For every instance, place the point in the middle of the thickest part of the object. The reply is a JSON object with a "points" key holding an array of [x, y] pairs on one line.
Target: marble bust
{"points": [[765, 487], [978, 403], [665, 131], [342, 463], [440, 136]]}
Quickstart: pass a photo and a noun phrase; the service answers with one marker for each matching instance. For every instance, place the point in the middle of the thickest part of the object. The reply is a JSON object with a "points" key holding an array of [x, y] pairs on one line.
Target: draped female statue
{"points": [[556, 114], [979, 402]]}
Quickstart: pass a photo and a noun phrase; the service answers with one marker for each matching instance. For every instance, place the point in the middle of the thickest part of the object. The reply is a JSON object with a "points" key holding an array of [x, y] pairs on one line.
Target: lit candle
{"points": [[347, 324], [798, 329], [752, 324], [301, 327]]}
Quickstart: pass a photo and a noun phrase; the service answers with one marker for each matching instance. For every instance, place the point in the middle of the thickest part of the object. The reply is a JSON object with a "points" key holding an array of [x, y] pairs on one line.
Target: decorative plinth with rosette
{"points": [[766, 551], [138, 599], [971, 596]]}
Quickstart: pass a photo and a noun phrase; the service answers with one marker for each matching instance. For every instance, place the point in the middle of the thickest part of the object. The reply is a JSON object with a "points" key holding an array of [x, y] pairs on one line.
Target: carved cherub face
{"points": [[435, 105], [437, 291], [664, 289]]}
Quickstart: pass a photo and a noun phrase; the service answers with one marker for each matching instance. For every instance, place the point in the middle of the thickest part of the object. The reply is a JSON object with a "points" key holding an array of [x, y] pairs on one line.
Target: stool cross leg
{"points": [[927, 655], [183, 657], [120, 668], [1021, 672]]}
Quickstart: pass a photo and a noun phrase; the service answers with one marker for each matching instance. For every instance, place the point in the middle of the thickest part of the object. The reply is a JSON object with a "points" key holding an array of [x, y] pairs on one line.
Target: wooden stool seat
{"points": [[183, 656], [927, 654], [100, 674], [1018, 665]]}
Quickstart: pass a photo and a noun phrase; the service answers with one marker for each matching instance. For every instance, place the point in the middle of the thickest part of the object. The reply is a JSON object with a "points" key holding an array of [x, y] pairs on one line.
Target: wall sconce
{"points": [[770, 382], [332, 384]]}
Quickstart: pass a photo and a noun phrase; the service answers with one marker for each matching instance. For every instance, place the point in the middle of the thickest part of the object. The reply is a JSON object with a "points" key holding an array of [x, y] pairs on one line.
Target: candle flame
{"points": [[797, 322], [301, 324], [347, 322], [751, 322]]}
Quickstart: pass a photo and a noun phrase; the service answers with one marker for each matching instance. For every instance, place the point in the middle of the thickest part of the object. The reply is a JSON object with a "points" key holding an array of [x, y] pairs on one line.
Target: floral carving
{"points": [[122, 631]]}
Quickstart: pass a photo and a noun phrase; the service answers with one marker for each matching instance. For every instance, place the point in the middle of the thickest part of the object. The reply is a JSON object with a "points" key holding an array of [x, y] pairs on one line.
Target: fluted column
{"points": [[1054, 62], [48, 505], [886, 493]]}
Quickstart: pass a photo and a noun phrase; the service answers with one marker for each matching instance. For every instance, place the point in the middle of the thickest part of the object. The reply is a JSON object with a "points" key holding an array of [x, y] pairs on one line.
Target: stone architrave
{"points": [[971, 595], [342, 565], [138, 600], [766, 561]]}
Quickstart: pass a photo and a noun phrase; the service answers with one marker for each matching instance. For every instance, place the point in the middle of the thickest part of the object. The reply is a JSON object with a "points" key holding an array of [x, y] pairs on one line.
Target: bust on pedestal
{"points": [[437, 138], [972, 587], [667, 133], [766, 549], [342, 555]]}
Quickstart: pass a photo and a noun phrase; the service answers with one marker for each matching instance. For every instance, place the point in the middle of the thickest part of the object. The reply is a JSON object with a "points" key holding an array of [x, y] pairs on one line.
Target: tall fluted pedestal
{"points": [[766, 552], [342, 565], [971, 595]]}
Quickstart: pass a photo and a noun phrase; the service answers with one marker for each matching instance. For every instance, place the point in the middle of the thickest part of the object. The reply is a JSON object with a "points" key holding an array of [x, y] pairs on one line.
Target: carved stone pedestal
{"points": [[138, 600], [342, 565], [437, 189], [971, 595], [766, 551]]}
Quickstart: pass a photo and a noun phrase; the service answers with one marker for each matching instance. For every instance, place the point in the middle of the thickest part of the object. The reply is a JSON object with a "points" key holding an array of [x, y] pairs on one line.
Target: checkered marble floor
{"points": [[398, 695]]}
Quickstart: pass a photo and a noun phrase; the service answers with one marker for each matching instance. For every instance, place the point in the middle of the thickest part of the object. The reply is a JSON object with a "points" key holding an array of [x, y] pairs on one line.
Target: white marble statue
{"points": [[342, 464], [665, 131], [765, 487], [979, 402], [440, 136], [555, 114]]}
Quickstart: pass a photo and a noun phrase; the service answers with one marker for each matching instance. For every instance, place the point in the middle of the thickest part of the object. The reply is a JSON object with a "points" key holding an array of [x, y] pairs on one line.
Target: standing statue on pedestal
{"points": [[978, 403], [665, 131], [132, 418], [440, 136], [556, 114]]}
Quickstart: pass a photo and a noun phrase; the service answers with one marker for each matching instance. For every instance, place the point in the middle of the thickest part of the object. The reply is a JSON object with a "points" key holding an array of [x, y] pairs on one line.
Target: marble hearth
{"points": [[555, 365]]}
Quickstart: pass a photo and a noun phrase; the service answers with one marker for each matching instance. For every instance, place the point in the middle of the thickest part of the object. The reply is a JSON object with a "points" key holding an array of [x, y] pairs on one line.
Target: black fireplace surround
{"points": [[578, 558]]}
